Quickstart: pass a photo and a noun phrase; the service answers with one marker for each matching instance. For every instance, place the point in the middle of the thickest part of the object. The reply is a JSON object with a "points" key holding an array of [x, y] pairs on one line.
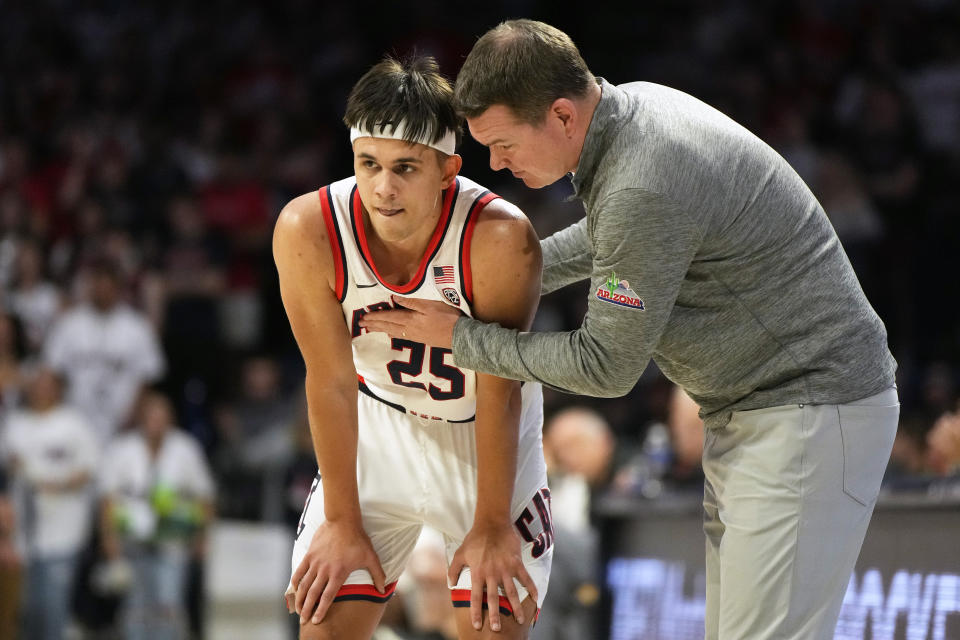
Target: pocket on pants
{"points": [[867, 434]]}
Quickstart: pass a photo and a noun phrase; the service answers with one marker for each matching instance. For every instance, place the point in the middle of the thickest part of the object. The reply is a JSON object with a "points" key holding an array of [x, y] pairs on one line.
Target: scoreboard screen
{"points": [[906, 584]]}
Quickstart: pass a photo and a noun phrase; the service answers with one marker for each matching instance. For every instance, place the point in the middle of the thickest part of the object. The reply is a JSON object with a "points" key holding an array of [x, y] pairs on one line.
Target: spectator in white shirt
{"points": [[106, 350], [52, 451], [157, 501], [35, 300]]}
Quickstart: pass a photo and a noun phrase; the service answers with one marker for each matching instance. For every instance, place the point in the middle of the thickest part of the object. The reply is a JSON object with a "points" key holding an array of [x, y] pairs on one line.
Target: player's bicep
{"points": [[506, 263], [306, 271]]}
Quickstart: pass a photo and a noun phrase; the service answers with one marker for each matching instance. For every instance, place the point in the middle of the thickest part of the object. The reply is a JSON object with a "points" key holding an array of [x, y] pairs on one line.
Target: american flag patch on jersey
{"points": [[443, 275]]}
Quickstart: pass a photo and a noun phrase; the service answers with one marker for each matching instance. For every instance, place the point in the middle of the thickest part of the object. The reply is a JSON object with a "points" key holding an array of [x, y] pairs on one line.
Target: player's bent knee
{"points": [[349, 620], [510, 629]]}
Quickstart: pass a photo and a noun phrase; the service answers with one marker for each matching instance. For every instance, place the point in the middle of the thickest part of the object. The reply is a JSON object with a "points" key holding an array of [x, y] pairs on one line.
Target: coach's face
{"points": [[537, 154]]}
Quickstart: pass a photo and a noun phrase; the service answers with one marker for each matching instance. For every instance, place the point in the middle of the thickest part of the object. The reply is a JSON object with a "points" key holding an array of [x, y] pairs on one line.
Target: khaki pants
{"points": [[788, 496], [11, 581]]}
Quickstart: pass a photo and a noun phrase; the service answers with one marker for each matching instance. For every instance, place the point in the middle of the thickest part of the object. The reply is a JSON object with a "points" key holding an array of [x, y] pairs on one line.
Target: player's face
{"points": [[401, 184], [535, 154]]}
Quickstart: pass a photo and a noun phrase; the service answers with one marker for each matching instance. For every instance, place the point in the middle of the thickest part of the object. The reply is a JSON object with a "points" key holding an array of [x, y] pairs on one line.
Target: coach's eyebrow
{"points": [[490, 143]]}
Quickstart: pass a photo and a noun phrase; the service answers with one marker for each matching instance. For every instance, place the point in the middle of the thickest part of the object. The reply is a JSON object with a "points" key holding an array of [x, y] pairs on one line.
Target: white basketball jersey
{"points": [[412, 377]]}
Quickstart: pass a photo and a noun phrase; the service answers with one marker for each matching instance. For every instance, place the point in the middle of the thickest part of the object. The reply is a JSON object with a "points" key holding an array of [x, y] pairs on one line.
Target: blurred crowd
{"points": [[148, 378]]}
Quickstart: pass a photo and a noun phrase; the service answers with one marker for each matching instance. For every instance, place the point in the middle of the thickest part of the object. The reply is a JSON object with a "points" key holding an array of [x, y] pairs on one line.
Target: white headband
{"points": [[447, 144]]}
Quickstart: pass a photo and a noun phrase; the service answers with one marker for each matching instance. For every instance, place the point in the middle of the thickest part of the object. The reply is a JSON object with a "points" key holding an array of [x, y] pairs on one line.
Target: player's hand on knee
{"points": [[336, 550], [493, 554]]}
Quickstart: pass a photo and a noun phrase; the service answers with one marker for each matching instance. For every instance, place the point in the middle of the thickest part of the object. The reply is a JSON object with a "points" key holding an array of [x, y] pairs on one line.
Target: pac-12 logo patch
{"points": [[618, 292], [452, 296]]}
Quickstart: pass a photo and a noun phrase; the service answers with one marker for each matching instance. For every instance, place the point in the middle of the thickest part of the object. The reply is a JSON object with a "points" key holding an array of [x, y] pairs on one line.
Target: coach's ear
{"points": [[451, 167]]}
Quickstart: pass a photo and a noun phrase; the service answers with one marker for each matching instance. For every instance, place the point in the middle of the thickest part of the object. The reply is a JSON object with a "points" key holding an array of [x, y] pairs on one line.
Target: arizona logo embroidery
{"points": [[618, 292]]}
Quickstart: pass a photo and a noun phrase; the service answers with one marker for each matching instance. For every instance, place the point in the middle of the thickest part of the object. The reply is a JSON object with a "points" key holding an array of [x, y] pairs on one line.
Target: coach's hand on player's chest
{"points": [[427, 321]]}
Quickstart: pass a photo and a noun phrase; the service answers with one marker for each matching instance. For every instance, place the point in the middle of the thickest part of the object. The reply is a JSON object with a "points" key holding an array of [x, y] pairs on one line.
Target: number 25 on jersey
{"points": [[405, 371]]}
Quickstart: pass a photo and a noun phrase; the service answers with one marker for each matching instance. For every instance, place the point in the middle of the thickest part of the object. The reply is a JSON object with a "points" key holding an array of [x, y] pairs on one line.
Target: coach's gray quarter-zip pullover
{"points": [[735, 282]]}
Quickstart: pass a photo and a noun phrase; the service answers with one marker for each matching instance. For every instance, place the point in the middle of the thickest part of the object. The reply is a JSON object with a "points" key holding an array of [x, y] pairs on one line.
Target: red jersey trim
{"points": [[364, 592], [336, 242], [466, 273], [449, 198]]}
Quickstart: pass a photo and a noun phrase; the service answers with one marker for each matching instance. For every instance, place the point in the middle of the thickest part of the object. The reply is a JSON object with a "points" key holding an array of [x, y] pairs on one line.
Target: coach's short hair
{"points": [[411, 90], [524, 65]]}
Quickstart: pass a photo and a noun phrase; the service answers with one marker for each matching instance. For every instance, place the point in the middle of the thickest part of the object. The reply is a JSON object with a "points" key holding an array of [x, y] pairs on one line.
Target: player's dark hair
{"points": [[524, 65], [413, 90]]}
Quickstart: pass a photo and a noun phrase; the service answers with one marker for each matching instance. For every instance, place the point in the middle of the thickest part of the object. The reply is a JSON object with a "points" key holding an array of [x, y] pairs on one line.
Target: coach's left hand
{"points": [[493, 554], [427, 321]]}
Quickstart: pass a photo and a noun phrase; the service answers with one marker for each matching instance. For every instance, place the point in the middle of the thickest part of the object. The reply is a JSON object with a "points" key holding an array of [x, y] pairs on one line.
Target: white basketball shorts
{"points": [[413, 472]]}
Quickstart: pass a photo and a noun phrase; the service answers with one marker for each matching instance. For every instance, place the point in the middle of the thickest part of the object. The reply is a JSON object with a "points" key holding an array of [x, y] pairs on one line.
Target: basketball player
{"points": [[403, 436]]}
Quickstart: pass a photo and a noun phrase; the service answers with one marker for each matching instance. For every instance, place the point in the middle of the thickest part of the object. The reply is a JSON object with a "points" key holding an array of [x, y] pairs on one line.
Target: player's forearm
{"points": [[333, 428], [497, 434]]}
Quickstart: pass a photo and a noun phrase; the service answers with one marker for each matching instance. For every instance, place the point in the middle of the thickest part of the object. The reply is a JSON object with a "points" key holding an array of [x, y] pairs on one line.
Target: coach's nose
{"points": [[497, 160]]}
